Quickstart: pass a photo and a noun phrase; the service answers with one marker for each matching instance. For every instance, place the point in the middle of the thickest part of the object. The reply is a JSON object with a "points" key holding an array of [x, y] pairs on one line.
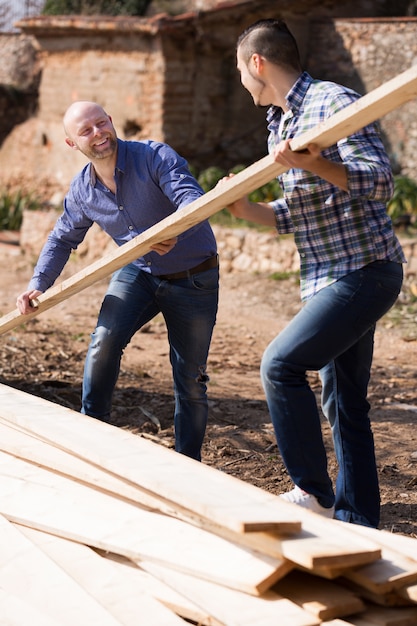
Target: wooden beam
{"points": [[231, 607], [175, 477], [190, 486], [323, 598], [372, 106], [23, 571], [131, 595], [318, 544], [46, 501]]}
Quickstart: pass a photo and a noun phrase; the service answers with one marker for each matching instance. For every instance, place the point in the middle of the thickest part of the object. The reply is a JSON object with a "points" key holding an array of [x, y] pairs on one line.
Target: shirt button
{"points": [[130, 227], [302, 254], [120, 208]]}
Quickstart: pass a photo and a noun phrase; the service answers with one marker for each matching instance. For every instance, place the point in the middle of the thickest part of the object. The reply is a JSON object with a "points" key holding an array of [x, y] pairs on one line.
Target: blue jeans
{"points": [[189, 307], [334, 334]]}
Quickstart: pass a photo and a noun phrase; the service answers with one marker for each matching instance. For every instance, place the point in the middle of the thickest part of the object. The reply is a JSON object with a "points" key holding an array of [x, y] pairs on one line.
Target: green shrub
{"points": [[95, 7], [209, 178], [402, 208], [12, 206]]}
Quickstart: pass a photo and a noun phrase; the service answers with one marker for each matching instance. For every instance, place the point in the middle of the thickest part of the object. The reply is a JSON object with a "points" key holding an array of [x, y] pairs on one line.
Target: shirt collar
{"points": [[120, 163], [294, 97]]}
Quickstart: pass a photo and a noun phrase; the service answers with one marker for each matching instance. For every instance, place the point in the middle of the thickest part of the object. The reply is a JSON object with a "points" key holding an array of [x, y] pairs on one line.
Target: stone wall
{"points": [[363, 54], [240, 249], [175, 80], [19, 81]]}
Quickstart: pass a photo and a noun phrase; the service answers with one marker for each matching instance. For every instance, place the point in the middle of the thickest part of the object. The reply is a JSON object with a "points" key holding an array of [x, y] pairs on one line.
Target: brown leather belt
{"points": [[208, 264]]}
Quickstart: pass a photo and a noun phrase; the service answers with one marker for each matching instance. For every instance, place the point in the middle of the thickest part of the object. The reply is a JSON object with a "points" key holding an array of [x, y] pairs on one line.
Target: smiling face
{"points": [[90, 130]]}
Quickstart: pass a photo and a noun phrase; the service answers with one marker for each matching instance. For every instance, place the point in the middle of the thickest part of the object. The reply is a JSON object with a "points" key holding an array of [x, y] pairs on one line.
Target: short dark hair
{"points": [[271, 39]]}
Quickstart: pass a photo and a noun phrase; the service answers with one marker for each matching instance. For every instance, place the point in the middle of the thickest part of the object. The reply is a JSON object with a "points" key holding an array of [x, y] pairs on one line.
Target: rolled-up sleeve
{"points": [[68, 232], [283, 220], [367, 165]]}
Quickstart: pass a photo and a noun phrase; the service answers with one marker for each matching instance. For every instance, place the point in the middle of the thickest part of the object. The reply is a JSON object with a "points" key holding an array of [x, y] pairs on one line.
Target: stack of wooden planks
{"points": [[100, 526]]}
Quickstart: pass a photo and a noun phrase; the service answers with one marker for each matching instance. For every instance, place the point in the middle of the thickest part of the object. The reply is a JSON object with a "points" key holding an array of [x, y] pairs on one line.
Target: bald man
{"points": [[127, 187]]}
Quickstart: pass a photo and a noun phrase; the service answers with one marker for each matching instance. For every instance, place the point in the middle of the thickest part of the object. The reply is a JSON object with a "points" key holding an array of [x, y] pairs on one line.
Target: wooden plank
{"points": [[45, 501], [233, 608], [378, 616], [129, 594], [388, 599], [390, 574], [27, 447], [394, 570], [408, 593], [318, 545], [189, 485], [404, 544], [138, 578], [23, 445], [16, 611], [26, 572], [177, 479], [370, 107], [322, 598], [323, 544]]}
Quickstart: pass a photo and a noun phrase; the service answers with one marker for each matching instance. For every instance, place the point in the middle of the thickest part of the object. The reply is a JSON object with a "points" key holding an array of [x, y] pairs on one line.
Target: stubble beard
{"points": [[94, 154]]}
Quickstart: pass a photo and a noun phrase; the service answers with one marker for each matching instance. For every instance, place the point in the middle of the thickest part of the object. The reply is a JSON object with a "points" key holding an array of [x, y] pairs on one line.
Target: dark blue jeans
{"points": [[333, 333], [189, 307]]}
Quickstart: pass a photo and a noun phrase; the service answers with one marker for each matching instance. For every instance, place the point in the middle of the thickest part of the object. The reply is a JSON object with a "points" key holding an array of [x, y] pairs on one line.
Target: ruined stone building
{"points": [[174, 78]]}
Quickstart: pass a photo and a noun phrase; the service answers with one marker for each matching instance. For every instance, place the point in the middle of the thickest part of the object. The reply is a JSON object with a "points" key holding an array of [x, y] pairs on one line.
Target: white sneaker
{"points": [[306, 500]]}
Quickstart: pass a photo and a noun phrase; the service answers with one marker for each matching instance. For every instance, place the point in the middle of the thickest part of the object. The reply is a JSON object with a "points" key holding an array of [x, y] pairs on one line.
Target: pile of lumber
{"points": [[100, 526]]}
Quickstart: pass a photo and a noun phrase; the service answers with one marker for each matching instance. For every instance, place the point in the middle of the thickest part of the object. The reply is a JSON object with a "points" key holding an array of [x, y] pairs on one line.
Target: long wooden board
{"points": [[129, 594], [319, 544], [26, 446], [45, 501], [16, 611], [233, 608], [176, 478], [325, 599], [372, 106], [397, 567], [23, 571], [378, 616], [187, 484]]}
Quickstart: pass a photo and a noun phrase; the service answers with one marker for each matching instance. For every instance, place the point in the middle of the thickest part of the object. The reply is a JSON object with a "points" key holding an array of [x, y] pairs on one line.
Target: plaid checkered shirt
{"points": [[336, 232]]}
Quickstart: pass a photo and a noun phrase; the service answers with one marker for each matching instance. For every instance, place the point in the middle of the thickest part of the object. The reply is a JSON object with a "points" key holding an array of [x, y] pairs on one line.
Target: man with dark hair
{"points": [[334, 202], [126, 188]]}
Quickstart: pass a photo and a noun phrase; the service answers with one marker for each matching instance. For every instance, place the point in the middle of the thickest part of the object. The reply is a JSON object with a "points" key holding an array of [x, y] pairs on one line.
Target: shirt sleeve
{"points": [[174, 176], [367, 165], [284, 223], [68, 232], [175, 180], [363, 154]]}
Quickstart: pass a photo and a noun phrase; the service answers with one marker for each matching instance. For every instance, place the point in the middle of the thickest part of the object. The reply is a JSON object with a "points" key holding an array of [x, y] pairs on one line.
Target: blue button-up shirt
{"points": [[336, 232], [152, 181]]}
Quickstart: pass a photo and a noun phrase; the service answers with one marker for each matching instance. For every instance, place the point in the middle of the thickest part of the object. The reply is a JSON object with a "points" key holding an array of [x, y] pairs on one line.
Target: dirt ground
{"points": [[45, 357]]}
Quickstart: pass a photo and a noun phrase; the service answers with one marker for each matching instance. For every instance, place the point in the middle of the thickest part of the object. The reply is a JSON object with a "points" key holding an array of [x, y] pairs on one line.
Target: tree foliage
{"points": [[95, 7]]}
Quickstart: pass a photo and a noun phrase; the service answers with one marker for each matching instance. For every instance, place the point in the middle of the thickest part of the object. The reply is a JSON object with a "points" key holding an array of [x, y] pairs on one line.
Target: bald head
{"points": [[78, 112], [89, 128]]}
